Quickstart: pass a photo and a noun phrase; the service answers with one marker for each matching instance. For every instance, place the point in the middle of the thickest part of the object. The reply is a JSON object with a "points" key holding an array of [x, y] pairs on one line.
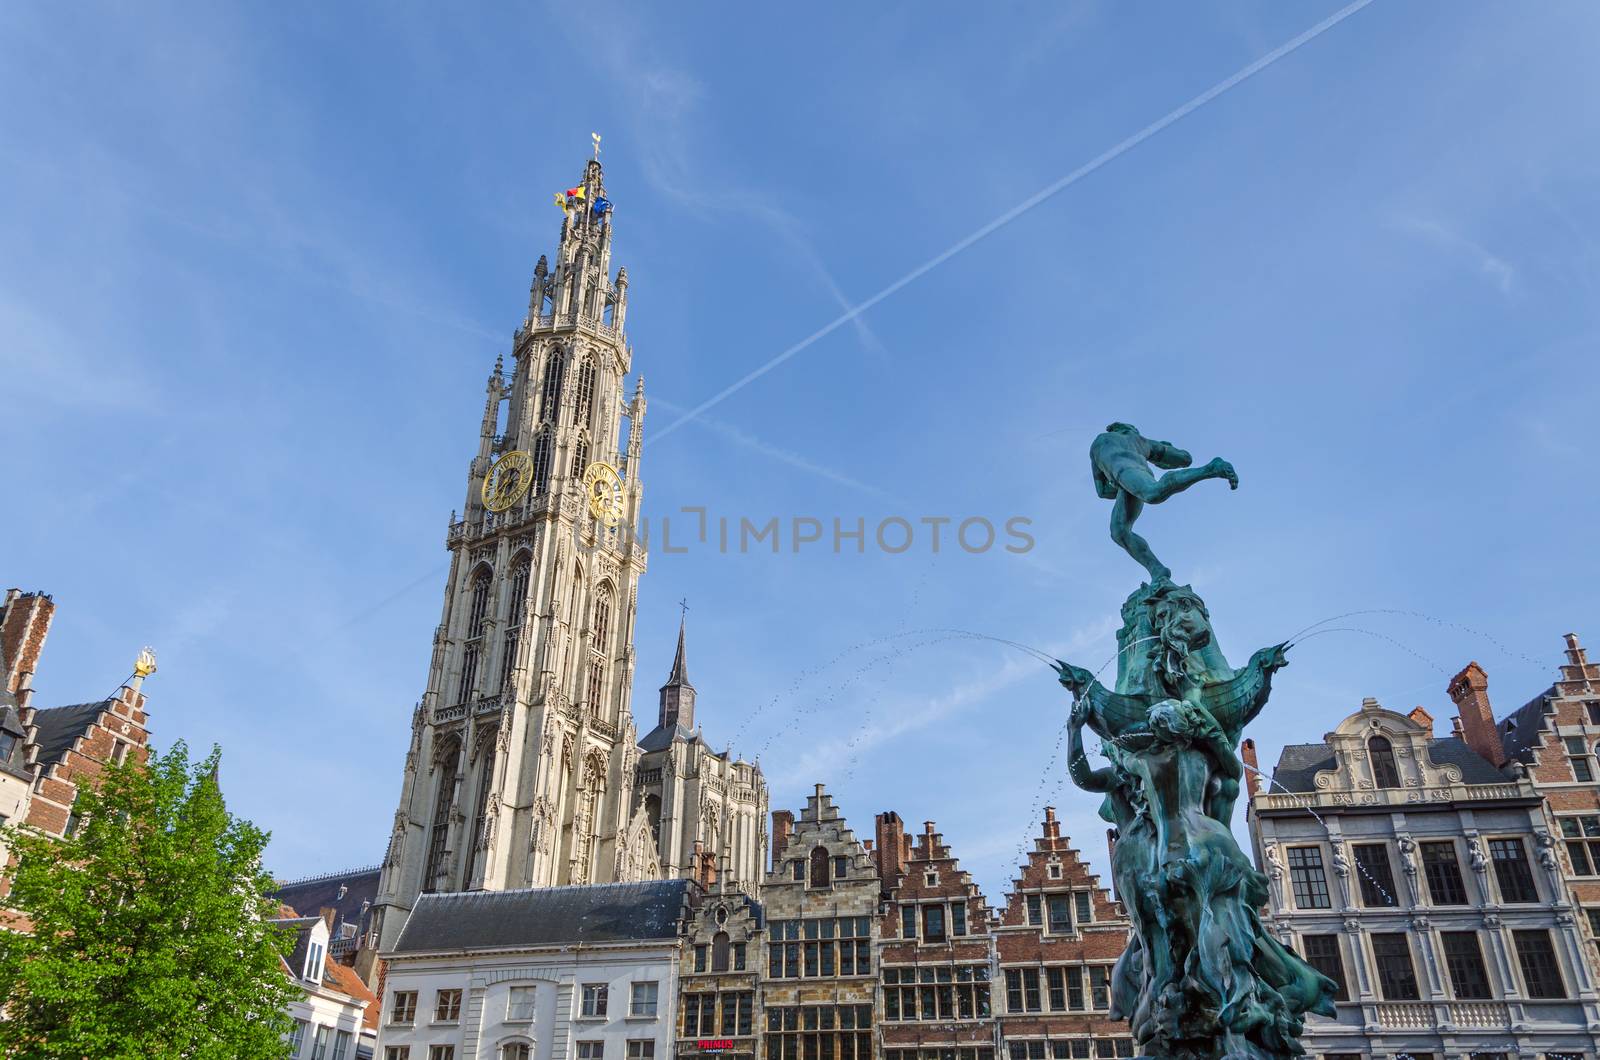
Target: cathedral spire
{"points": [[677, 695]]}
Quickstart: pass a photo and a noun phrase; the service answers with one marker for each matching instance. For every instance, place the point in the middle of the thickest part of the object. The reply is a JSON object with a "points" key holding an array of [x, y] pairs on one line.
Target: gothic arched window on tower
{"points": [[585, 397], [478, 609], [580, 455], [554, 372], [480, 812], [1385, 773], [440, 833], [541, 463], [597, 683], [602, 622], [469, 672], [521, 569], [821, 868]]}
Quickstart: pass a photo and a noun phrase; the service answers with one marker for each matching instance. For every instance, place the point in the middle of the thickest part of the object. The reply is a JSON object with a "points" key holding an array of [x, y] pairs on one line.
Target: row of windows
{"points": [[949, 1052], [1076, 1049], [937, 921], [948, 993], [727, 1014], [1441, 867], [521, 1002], [1060, 909], [1063, 988], [1469, 978], [325, 1042], [819, 1032], [824, 868], [508, 1051], [822, 959], [724, 955]]}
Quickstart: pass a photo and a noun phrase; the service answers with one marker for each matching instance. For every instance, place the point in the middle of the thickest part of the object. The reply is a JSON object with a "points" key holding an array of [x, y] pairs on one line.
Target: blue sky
{"points": [[254, 270]]}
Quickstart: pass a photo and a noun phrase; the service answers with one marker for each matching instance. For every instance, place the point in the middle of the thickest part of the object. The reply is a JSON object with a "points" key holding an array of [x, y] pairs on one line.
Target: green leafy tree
{"points": [[149, 933]]}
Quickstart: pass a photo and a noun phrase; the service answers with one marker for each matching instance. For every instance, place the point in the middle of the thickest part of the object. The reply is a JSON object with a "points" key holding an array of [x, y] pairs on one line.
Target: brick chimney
{"points": [[1576, 656], [1469, 689], [1252, 772], [1421, 716], [24, 623], [782, 829], [891, 852]]}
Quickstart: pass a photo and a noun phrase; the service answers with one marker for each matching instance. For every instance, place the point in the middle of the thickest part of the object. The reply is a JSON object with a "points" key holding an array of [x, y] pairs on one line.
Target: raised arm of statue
{"points": [[1077, 760]]}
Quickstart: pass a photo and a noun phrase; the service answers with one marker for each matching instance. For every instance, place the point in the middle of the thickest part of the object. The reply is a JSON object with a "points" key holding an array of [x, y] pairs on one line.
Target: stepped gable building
{"points": [[937, 956], [1556, 737], [523, 759], [719, 976], [1418, 875], [823, 903], [694, 797], [47, 752], [1058, 939]]}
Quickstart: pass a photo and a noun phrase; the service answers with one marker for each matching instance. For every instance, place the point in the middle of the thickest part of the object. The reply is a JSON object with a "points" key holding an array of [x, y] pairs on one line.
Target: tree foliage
{"points": [[149, 933]]}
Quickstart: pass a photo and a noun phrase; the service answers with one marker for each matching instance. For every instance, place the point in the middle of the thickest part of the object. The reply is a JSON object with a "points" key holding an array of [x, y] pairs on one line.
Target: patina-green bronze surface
{"points": [[1200, 979]]}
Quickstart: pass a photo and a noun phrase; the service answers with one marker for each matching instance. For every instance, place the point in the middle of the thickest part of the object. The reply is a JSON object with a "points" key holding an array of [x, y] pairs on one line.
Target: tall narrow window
{"points": [[541, 463], [602, 623], [1511, 870], [516, 607], [480, 813], [1385, 773], [1578, 759], [585, 394], [1445, 885], [1376, 875], [580, 456], [720, 948], [1539, 968], [1322, 953], [1309, 880], [469, 672], [933, 923], [821, 866], [440, 833], [554, 372], [478, 608], [597, 683], [1464, 959], [1060, 906], [1397, 978]]}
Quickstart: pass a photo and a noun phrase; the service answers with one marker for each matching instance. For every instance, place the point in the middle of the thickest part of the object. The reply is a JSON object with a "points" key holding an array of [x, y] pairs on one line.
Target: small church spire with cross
{"points": [[677, 695]]}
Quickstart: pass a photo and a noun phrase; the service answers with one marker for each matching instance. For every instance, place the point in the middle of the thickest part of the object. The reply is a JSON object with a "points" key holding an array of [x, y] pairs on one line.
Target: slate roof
{"points": [[58, 727], [546, 916], [1299, 763], [315, 893], [11, 725], [1520, 730], [302, 926], [661, 737]]}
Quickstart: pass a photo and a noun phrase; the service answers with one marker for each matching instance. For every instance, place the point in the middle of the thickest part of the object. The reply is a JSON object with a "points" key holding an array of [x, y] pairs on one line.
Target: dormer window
{"points": [[314, 955], [1385, 773]]}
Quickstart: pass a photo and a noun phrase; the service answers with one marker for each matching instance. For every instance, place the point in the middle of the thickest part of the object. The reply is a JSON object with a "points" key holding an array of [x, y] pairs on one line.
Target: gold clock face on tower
{"points": [[507, 480], [604, 486]]}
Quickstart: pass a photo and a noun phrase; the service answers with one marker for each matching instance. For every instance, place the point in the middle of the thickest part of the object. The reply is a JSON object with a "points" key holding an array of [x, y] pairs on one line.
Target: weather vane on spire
{"points": [[596, 138]]}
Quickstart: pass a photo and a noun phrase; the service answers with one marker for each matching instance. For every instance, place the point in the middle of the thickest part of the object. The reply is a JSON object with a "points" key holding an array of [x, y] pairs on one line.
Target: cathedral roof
{"points": [[545, 916], [663, 736]]}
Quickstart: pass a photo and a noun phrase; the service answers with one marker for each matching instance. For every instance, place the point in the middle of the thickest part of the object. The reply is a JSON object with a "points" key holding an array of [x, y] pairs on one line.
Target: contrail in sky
{"points": [[1171, 118]]}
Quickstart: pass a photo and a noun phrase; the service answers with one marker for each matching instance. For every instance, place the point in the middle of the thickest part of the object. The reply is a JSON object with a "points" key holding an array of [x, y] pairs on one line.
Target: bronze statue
{"points": [[1200, 979], [1121, 457]]}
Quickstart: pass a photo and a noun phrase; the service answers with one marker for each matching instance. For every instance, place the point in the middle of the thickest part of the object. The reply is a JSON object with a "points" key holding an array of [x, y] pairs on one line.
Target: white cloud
{"points": [[1491, 266]]}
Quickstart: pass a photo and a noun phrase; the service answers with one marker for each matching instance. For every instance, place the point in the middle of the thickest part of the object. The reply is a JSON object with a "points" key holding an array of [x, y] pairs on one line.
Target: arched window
{"points": [[821, 864], [541, 463], [585, 395], [478, 609], [719, 951], [440, 833], [480, 813], [516, 607], [580, 456], [469, 672], [1385, 773], [602, 622], [652, 811], [554, 373], [597, 683]]}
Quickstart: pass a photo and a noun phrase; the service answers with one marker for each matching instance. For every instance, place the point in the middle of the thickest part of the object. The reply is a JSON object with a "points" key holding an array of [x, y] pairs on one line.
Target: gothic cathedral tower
{"points": [[523, 751]]}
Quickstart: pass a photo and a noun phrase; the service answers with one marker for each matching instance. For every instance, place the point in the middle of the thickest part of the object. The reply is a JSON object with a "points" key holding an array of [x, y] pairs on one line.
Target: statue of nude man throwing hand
{"points": [[1121, 458]]}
